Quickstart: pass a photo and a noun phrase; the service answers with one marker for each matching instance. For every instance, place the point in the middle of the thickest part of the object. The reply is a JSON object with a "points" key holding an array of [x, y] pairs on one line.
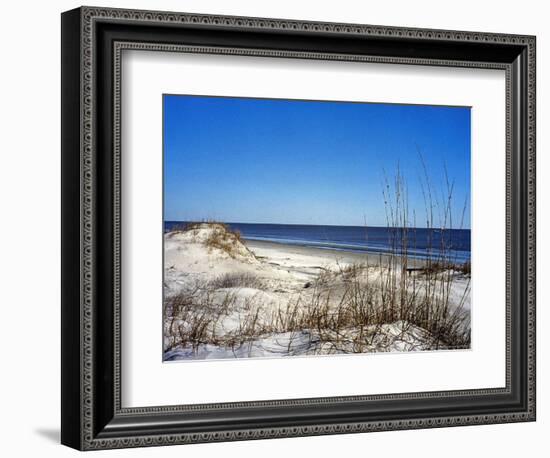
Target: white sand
{"points": [[280, 275]]}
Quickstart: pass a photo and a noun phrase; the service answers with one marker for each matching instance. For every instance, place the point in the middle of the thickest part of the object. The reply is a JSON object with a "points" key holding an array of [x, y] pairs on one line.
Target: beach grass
{"points": [[236, 280]]}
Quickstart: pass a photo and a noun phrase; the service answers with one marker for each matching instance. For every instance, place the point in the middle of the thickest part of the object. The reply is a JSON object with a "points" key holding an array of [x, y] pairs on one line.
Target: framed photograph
{"points": [[276, 228]]}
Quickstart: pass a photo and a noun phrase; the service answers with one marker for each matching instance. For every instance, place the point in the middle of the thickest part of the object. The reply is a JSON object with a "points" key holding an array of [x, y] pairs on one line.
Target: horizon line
{"points": [[321, 225]]}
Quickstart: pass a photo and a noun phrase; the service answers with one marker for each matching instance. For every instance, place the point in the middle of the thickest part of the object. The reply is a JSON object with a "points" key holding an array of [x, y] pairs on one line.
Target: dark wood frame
{"points": [[92, 42]]}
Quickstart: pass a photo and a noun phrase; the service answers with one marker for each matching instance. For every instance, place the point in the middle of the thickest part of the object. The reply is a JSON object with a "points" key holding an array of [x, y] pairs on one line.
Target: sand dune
{"points": [[227, 298]]}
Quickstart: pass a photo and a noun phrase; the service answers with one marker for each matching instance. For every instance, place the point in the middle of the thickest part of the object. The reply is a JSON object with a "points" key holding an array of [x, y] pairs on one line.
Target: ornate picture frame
{"points": [[93, 416]]}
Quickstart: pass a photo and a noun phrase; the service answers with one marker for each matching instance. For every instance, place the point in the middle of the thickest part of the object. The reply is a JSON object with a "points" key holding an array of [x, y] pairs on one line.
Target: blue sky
{"points": [[306, 162]]}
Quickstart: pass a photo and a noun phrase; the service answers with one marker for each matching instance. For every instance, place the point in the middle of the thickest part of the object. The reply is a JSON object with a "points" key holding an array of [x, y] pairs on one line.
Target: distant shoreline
{"points": [[260, 247]]}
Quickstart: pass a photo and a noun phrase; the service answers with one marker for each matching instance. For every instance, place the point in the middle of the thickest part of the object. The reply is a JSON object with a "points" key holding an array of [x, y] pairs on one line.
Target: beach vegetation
{"points": [[236, 280]]}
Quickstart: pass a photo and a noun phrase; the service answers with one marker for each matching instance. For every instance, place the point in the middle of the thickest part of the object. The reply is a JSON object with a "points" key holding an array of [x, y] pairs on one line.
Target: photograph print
{"points": [[308, 228]]}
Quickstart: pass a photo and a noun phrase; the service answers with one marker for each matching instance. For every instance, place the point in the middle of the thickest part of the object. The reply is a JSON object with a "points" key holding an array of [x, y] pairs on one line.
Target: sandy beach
{"points": [[226, 297], [307, 256]]}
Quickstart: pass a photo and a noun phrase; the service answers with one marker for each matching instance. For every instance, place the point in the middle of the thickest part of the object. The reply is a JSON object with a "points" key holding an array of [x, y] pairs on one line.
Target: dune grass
{"points": [[224, 238], [236, 280], [350, 321]]}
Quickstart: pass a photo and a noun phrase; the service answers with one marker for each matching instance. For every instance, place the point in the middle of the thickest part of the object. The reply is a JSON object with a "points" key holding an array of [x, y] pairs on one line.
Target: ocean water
{"points": [[422, 243]]}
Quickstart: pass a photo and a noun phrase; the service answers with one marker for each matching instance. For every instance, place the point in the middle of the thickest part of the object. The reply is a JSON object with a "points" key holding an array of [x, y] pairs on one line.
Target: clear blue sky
{"points": [[305, 162]]}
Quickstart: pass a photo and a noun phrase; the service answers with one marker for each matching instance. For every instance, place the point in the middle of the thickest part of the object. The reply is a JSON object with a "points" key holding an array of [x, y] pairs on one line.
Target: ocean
{"points": [[422, 243]]}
